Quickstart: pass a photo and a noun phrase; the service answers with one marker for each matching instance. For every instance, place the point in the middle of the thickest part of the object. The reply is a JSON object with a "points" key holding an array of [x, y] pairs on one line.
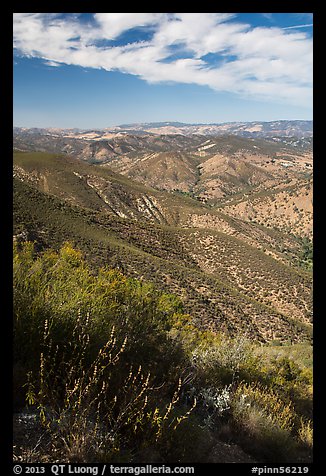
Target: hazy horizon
{"points": [[164, 122]]}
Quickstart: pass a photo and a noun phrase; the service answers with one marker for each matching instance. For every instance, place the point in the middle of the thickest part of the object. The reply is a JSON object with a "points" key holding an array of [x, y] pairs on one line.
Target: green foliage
{"points": [[95, 348], [288, 370], [59, 285], [119, 372], [264, 422], [91, 410], [305, 433], [223, 360], [266, 403], [276, 410], [304, 258], [141, 248]]}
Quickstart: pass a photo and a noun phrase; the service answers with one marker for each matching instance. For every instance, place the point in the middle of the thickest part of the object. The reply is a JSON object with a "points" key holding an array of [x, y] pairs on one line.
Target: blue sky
{"points": [[99, 70]]}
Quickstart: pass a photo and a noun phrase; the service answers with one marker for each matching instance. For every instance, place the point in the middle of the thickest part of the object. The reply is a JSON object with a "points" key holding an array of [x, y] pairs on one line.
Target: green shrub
{"points": [[98, 353], [102, 354], [223, 360], [57, 286], [263, 422], [305, 433], [98, 410]]}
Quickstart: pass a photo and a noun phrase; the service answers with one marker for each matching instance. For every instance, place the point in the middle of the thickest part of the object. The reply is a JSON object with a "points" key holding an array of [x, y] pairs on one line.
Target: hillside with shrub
{"points": [[114, 370], [231, 275]]}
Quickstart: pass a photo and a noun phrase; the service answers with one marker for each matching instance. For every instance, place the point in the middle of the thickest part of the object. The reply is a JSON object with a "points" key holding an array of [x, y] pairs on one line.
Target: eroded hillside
{"points": [[266, 181], [232, 275]]}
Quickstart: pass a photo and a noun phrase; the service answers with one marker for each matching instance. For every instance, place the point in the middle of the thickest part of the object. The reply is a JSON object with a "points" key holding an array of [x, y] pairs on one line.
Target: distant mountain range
{"points": [[300, 129], [245, 129]]}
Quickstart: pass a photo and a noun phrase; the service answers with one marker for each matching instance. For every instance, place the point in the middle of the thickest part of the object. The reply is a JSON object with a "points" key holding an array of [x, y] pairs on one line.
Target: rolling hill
{"points": [[246, 129], [259, 180], [233, 275]]}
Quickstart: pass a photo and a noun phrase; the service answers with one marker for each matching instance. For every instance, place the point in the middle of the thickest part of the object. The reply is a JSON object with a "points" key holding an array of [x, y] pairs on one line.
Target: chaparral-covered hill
{"points": [[220, 221]]}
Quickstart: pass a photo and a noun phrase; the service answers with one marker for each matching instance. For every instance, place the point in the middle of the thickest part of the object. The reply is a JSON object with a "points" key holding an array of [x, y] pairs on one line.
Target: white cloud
{"points": [[265, 63], [114, 24], [307, 25], [52, 63]]}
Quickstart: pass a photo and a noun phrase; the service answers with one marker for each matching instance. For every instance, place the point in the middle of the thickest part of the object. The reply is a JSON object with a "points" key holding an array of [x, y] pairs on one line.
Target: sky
{"points": [[97, 70]]}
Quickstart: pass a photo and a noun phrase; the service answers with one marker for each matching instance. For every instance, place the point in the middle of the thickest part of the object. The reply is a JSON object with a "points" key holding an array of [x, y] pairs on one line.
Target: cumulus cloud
{"points": [[215, 50]]}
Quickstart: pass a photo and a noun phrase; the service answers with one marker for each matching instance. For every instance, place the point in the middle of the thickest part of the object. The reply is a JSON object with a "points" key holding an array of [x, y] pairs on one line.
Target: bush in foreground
{"points": [[117, 372]]}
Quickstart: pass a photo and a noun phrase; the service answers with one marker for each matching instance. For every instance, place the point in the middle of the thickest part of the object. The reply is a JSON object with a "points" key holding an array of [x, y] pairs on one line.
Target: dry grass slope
{"points": [[225, 281]]}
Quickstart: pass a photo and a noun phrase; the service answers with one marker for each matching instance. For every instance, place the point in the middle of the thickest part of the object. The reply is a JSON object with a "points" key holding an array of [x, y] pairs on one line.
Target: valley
{"points": [[268, 181], [217, 221]]}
